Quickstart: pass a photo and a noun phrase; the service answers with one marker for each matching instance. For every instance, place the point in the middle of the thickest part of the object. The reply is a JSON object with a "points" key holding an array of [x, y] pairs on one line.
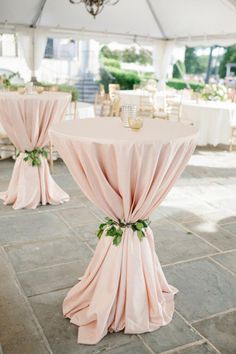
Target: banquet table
{"points": [[85, 110], [214, 120], [126, 174], [26, 120], [134, 97]]}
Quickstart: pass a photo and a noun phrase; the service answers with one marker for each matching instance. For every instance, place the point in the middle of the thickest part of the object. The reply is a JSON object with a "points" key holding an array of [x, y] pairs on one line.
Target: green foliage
{"points": [[179, 70], [34, 156], [228, 57], [180, 85], [62, 88], [115, 229], [70, 89], [129, 55], [110, 54], [195, 64], [111, 62], [126, 79]]}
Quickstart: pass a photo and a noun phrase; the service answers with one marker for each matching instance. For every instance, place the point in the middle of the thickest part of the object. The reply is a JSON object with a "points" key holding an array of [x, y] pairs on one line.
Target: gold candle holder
{"points": [[54, 88], [40, 89], [21, 90], [135, 123]]}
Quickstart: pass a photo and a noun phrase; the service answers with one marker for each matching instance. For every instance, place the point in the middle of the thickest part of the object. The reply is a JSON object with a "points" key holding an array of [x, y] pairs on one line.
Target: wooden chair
{"points": [[102, 90], [233, 136], [115, 107], [147, 108], [113, 89]]}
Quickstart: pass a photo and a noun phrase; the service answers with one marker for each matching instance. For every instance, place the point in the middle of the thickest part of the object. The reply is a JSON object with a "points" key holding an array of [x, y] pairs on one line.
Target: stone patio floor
{"points": [[44, 251]]}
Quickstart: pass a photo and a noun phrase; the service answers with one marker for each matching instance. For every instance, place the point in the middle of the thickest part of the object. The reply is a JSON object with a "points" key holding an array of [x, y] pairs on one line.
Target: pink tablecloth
{"points": [[26, 120], [127, 174]]}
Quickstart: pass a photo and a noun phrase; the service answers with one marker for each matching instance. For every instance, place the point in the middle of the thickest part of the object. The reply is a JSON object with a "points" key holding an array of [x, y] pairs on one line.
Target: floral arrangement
{"points": [[214, 92], [6, 80]]}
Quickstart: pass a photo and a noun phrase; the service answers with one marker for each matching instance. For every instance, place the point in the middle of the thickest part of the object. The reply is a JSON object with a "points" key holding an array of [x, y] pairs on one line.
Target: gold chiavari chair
{"points": [[233, 136], [115, 107], [113, 89], [146, 108]]}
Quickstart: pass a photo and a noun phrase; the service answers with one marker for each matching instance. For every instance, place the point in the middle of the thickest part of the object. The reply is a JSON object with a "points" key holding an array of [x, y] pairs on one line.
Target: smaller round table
{"points": [[126, 174], [26, 120]]}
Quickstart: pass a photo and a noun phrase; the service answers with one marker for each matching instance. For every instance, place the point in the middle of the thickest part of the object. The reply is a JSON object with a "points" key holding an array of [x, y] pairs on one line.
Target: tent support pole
{"points": [[38, 14]]}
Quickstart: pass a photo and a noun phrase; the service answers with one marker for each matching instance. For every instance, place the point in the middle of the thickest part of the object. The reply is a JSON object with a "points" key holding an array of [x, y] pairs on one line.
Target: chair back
{"points": [[113, 89]]}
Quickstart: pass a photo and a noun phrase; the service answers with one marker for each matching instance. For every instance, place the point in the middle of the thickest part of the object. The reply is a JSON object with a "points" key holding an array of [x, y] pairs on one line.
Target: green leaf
{"points": [[102, 226], [139, 225], [117, 240], [140, 234], [99, 234]]}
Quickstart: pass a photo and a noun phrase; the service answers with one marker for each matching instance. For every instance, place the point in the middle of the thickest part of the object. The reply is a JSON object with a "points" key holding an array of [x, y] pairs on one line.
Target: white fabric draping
{"points": [[33, 43], [214, 120], [162, 53]]}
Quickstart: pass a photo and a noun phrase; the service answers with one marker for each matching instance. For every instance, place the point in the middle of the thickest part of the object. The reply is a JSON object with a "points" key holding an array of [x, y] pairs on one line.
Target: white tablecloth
{"points": [[134, 97], [213, 120], [85, 110]]}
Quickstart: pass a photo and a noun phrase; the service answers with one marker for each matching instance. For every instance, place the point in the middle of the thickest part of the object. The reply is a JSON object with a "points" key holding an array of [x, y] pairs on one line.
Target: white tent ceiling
{"points": [[181, 20]]}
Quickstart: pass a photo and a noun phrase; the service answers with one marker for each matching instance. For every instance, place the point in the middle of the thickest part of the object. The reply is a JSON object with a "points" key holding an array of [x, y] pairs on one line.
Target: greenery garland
{"points": [[116, 229], [34, 156]]}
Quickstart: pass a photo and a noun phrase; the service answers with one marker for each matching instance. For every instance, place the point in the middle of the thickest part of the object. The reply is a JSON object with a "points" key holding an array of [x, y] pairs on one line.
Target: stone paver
{"points": [[174, 244], [221, 331], [228, 260], [61, 335], [47, 249], [213, 233], [45, 280], [204, 348], [16, 321], [22, 227], [204, 288], [29, 256], [177, 332]]}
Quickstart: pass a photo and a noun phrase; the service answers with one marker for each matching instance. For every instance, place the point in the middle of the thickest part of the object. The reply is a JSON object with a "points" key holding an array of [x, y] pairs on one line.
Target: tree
{"points": [[179, 70], [228, 57], [194, 63], [106, 52]]}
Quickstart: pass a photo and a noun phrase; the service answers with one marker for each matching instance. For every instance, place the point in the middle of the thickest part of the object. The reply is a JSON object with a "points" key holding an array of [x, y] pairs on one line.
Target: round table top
{"points": [[111, 130], [210, 104], [32, 96]]}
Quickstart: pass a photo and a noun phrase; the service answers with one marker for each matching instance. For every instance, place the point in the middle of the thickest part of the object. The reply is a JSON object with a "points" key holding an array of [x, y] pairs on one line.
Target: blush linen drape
{"points": [[26, 120], [126, 174]]}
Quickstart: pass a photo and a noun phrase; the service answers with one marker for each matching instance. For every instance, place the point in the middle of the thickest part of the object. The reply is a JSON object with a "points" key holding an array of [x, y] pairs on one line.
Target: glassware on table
{"points": [[40, 89], [128, 111], [29, 87], [136, 122]]}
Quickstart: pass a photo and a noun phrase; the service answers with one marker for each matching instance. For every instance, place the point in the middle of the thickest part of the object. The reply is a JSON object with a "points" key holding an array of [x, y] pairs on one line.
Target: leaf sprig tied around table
{"points": [[34, 156], [115, 229]]}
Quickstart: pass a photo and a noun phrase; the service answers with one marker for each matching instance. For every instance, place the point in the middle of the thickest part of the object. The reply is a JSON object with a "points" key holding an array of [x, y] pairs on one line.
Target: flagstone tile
{"points": [[53, 278], [62, 335], [204, 348], [221, 331], [30, 227], [76, 217], [175, 334], [227, 259], [174, 244], [205, 288], [29, 256], [213, 233]]}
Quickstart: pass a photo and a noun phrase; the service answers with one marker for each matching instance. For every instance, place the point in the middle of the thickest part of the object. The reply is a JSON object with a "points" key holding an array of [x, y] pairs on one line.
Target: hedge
{"points": [[180, 85], [126, 79], [111, 63]]}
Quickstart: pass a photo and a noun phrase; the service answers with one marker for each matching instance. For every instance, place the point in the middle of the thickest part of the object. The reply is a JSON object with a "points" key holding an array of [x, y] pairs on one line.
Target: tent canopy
{"points": [[180, 20]]}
